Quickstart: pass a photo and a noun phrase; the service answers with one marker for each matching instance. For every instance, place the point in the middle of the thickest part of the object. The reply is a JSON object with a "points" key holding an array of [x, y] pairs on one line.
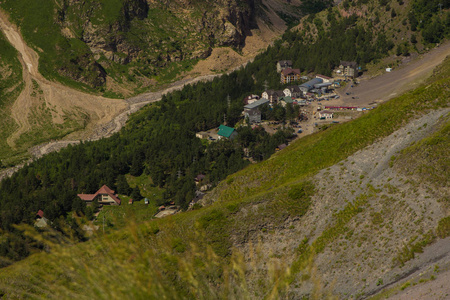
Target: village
{"points": [[316, 101]]}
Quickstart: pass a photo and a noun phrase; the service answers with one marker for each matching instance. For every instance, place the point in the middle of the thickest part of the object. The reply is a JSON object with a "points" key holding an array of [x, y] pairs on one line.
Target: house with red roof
{"points": [[290, 75], [104, 196], [40, 214]]}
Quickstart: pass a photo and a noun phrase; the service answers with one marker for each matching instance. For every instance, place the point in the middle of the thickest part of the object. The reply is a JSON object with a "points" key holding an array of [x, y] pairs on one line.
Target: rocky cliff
{"points": [[101, 45], [148, 35]]}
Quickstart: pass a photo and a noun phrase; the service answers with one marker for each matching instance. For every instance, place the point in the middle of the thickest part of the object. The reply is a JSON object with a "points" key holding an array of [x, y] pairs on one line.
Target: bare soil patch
{"points": [[66, 102], [225, 58], [400, 80]]}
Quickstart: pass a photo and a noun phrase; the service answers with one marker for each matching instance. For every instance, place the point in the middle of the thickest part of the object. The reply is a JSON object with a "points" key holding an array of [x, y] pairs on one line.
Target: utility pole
{"points": [[103, 224], [228, 101], [266, 85], [224, 119], [440, 8]]}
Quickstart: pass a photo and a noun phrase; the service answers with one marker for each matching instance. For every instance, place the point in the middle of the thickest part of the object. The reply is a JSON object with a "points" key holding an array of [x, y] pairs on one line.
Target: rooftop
{"points": [[102, 191], [290, 71], [323, 76], [257, 103], [311, 83], [349, 63], [285, 62], [225, 131], [287, 99]]}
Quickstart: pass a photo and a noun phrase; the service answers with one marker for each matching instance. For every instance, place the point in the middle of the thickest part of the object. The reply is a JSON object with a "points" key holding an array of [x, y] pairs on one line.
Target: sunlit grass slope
{"points": [[11, 85], [191, 255]]}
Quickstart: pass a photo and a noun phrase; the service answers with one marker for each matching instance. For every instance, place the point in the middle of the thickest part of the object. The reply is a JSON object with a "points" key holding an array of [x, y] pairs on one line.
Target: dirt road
{"points": [[389, 85], [63, 101]]}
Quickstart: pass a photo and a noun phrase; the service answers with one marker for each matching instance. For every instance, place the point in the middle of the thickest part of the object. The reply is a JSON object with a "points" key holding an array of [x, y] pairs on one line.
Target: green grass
{"points": [[428, 159], [117, 217], [70, 60], [10, 87], [415, 245], [190, 255], [443, 229], [147, 187], [326, 148]]}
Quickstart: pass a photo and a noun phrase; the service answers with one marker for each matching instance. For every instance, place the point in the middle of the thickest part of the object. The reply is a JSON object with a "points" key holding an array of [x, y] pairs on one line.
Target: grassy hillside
{"points": [[10, 87], [386, 31], [115, 46], [198, 254]]}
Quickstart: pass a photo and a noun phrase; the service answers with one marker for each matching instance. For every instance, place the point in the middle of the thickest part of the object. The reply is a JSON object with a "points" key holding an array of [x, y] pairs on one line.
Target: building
{"points": [[250, 99], [286, 100], [226, 132], [289, 75], [325, 79], [252, 112], [307, 86], [41, 221], [104, 196], [39, 214], [347, 69], [253, 116], [292, 91], [283, 64], [272, 95], [302, 102], [281, 147], [325, 114], [202, 135], [199, 178], [323, 87]]}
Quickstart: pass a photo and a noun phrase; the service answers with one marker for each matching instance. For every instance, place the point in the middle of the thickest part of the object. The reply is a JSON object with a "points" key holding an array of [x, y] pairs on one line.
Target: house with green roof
{"points": [[226, 132], [286, 100]]}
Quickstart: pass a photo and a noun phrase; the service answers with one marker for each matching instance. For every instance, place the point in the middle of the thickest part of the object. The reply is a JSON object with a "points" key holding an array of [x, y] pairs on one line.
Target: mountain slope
{"points": [[114, 48], [129, 45], [43, 110], [335, 213]]}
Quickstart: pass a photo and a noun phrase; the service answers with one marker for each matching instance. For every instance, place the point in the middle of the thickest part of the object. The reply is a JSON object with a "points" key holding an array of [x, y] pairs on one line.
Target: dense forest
{"points": [[159, 141]]}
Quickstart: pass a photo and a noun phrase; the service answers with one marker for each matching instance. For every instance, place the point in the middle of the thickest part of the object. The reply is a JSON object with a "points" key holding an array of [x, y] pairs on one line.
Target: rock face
{"points": [[147, 35]]}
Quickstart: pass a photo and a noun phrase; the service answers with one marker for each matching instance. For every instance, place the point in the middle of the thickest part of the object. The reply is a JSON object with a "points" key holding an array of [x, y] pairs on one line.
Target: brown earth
{"points": [[400, 80], [64, 101], [106, 116], [225, 58]]}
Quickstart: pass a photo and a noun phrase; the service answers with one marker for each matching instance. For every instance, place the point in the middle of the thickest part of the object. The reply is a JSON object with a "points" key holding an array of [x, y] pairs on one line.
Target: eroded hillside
{"points": [[123, 47]]}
